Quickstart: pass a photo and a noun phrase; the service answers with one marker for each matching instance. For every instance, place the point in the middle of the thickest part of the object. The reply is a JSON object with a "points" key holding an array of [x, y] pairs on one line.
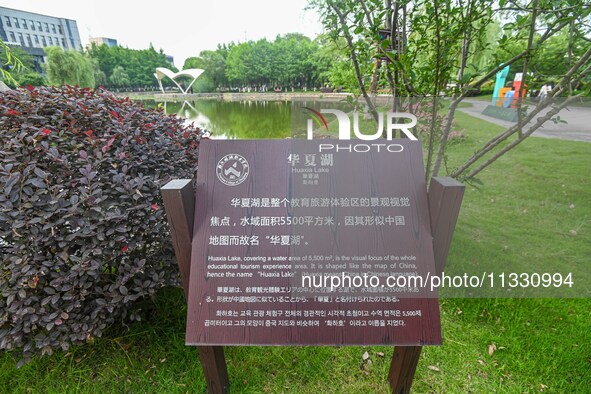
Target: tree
{"points": [[435, 45], [30, 78], [119, 77], [204, 82], [555, 17], [332, 64], [99, 76], [240, 63], [289, 60], [139, 65], [9, 62], [550, 62], [69, 68], [214, 64], [18, 67]]}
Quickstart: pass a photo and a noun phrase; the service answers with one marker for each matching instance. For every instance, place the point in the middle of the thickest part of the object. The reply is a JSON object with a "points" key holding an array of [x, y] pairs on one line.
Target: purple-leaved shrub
{"points": [[83, 233]]}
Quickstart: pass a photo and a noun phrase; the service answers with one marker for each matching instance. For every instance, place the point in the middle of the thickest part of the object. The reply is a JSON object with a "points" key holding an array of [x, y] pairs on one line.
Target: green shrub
{"points": [[30, 78], [82, 229]]}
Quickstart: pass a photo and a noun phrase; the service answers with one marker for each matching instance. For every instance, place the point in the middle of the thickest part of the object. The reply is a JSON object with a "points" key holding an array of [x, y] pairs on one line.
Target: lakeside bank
{"points": [[254, 96]]}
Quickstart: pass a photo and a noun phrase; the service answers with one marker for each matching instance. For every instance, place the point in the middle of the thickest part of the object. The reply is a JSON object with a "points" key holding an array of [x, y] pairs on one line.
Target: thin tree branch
{"points": [[529, 132], [367, 13], [558, 89], [515, 58], [454, 104], [349, 39], [530, 41], [437, 82]]}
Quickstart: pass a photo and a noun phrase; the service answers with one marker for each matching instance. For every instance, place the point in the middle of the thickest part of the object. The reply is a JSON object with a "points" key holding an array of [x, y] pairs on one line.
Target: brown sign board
{"points": [[269, 212]]}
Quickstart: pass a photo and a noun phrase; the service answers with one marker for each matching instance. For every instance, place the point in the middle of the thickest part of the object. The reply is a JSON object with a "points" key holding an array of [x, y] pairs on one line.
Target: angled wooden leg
{"points": [[403, 367], [179, 202], [214, 367], [445, 199]]}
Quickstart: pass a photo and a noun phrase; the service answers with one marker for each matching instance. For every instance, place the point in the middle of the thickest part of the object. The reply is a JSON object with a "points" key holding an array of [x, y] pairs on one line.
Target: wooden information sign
{"points": [[270, 215]]}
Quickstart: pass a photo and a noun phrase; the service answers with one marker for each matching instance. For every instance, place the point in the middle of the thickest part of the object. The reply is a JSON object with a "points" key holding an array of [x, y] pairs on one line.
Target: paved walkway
{"points": [[578, 127]]}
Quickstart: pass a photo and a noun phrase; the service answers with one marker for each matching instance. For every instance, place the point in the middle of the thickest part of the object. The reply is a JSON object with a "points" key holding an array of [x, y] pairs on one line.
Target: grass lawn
{"points": [[531, 210]]}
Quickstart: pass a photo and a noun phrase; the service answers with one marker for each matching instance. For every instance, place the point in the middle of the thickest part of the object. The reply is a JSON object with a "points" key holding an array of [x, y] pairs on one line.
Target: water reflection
{"points": [[237, 119], [247, 119]]}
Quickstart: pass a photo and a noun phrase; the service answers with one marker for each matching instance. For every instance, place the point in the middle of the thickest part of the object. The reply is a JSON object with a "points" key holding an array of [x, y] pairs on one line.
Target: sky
{"points": [[181, 28]]}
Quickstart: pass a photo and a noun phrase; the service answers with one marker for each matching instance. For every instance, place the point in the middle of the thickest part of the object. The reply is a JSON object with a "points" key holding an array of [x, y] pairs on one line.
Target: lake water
{"points": [[246, 119]]}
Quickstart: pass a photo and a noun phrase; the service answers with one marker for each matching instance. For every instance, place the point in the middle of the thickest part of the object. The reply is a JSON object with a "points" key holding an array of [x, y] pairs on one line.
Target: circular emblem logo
{"points": [[232, 169]]}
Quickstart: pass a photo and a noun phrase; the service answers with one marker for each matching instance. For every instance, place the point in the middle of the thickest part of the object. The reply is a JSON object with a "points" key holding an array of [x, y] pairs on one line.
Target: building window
{"points": [[12, 37], [8, 24], [16, 23], [63, 43], [21, 39], [32, 25], [24, 24], [46, 27], [59, 28], [53, 29], [50, 41], [43, 41], [29, 41], [39, 26], [36, 38]]}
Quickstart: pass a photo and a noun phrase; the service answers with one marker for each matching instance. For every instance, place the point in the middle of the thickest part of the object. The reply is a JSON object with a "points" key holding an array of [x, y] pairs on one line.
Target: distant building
{"points": [[170, 59], [32, 32], [110, 42]]}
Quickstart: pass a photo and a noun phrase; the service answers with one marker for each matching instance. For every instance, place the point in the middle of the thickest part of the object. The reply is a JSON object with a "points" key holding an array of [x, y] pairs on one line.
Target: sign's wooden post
{"points": [[179, 202], [402, 368], [445, 199]]}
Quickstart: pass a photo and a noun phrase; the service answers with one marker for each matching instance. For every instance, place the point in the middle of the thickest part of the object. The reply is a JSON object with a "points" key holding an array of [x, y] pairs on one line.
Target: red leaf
{"points": [[30, 87], [121, 155], [45, 131], [12, 112], [109, 143], [115, 114], [124, 249], [89, 133], [155, 207]]}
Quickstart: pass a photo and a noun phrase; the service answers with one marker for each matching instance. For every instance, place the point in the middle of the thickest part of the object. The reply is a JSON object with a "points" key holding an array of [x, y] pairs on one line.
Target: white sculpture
{"points": [[162, 72]]}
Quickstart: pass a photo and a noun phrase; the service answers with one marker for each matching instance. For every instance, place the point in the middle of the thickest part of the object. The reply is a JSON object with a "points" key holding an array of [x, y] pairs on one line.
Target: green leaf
{"points": [[466, 78]]}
